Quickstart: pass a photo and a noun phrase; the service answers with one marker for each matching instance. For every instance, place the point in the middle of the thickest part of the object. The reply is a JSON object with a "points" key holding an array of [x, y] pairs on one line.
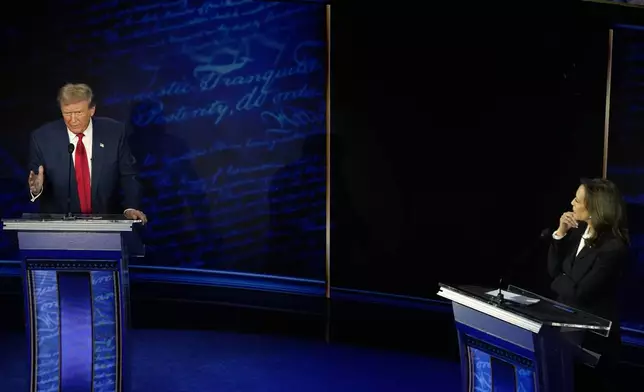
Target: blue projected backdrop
{"points": [[225, 102], [625, 159]]}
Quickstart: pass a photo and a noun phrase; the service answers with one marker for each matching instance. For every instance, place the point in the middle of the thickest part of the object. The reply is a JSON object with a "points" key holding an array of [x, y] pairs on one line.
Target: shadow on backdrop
{"points": [[180, 230], [297, 243]]}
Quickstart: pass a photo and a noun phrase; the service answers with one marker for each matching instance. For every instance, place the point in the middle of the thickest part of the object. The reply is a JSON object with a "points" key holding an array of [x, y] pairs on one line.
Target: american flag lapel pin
{"points": [[102, 145]]}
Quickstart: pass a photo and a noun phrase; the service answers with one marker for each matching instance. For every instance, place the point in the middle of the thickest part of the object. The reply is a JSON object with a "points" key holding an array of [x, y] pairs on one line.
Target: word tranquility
{"points": [[214, 77]]}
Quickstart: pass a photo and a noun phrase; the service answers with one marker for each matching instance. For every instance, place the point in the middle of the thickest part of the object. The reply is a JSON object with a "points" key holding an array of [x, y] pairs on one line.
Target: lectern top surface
{"points": [[60, 222], [545, 311]]}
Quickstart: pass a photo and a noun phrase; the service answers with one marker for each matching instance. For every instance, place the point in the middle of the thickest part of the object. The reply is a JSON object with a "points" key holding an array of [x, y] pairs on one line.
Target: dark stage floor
{"points": [[200, 346], [209, 345], [189, 361]]}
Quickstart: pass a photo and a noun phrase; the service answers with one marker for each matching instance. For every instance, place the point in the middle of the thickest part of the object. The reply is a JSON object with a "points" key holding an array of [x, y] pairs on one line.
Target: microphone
{"points": [[511, 269], [70, 150]]}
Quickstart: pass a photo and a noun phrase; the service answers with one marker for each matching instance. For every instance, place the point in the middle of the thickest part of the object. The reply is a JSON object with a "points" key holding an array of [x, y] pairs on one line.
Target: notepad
{"points": [[513, 297]]}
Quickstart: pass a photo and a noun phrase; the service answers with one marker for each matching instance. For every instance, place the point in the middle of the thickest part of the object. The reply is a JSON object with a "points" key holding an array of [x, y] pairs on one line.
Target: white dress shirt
{"points": [[582, 243]]}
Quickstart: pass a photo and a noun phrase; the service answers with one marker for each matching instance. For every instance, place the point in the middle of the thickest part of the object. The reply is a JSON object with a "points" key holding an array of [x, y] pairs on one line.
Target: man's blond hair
{"points": [[74, 93]]}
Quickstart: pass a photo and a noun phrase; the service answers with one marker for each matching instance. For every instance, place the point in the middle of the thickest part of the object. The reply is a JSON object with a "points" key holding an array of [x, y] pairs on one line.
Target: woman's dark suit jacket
{"points": [[590, 281]]}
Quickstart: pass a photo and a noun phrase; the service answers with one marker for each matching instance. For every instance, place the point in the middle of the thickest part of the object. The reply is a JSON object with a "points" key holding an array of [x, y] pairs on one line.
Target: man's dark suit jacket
{"points": [[113, 168], [590, 281]]}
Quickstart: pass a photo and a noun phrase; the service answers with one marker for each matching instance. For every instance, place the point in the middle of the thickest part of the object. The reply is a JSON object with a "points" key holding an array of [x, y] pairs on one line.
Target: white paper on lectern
{"points": [[518, 298]]}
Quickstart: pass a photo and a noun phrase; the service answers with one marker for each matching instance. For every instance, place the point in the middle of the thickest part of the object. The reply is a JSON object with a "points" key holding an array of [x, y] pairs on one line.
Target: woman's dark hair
{"points": [[607, 209]]}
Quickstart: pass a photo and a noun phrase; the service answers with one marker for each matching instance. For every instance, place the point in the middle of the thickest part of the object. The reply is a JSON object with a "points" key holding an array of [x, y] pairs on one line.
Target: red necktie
{"points": [[82, 177]]}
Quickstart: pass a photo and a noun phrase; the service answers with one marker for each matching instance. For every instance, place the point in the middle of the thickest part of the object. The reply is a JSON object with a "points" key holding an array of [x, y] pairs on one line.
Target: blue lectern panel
{"points": [[488, 373], [75, 325], [105, 330], [76, 348], [45, 330], [480, 371], [503, 376], [526, 381], [496, 346], [495, 364]]}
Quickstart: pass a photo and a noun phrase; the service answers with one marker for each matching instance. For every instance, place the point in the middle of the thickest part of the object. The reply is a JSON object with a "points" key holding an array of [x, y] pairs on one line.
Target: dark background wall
{"points": [[464, 136], [457, 134]]}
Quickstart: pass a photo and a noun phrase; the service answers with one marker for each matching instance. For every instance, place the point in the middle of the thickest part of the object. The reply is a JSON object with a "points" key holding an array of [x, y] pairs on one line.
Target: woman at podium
{"points": [[586, 258]]}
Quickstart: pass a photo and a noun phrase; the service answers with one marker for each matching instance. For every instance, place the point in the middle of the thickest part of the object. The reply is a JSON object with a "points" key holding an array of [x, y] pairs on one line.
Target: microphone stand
{"points": [[510, 269], [69, 216], [499, 299]]}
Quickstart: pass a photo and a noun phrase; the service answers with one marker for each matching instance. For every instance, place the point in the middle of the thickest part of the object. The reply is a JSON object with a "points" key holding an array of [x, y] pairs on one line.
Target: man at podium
{"points": [[81, 164], [586, 259]]}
